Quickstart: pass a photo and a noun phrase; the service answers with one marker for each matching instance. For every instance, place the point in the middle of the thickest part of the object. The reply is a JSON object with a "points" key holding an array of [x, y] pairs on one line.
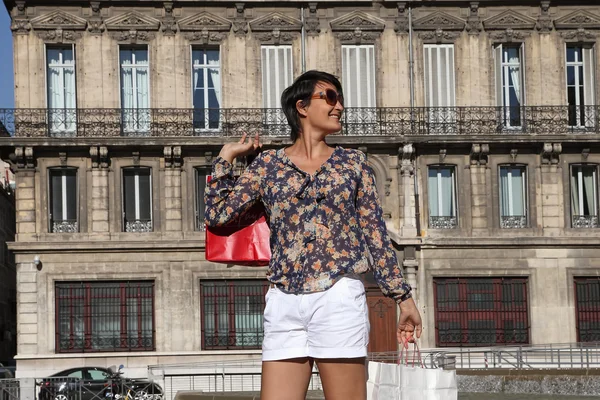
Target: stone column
{"points": [[99, 201], [479, 189], [27, 300], [407, 190], [173, 222], [25, 194]]}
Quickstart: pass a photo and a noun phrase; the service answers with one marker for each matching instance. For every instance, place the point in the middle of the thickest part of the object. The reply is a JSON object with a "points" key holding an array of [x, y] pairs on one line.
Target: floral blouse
{"points": [[323, 226]]}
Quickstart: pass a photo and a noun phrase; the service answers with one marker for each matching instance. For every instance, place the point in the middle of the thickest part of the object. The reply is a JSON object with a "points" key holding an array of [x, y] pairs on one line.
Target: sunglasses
{"points": [[330, 96]]}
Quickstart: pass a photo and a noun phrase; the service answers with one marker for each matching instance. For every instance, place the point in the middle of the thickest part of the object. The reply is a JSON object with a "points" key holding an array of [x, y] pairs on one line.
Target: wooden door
{"points": [[382, 316]]}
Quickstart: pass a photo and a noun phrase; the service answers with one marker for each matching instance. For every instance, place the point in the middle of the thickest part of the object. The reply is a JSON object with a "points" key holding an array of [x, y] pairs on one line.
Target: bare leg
{"points": [[285, 379], [343, 378]]}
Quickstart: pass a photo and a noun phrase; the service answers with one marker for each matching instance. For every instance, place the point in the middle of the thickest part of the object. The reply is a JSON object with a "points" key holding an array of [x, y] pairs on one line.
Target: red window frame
{"points": [[78, 321], [587, 308], [220, 323], [481, 311]]}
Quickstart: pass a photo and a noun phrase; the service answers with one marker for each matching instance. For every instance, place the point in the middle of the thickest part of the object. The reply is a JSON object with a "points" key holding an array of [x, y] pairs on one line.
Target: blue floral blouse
{"points": [[323, 225]]}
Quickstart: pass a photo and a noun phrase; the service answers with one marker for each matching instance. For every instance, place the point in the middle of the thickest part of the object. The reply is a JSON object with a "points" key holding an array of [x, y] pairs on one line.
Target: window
{"points": [[104, 316], [584, 196], [232, 314], [587, 305], [135, 97], [206, 80], [96, 374], [438, 62], [201, 175], [60, 77], [63, 200], [481, 311], [442, 197], [358, 79], [509, 83], [137, 200], [580, 85], [277, 74], [513, 197]]}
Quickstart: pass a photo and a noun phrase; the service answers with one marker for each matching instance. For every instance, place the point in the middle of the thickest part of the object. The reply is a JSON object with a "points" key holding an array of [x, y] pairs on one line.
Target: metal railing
{"points": [[71, 388], [357, 121]]}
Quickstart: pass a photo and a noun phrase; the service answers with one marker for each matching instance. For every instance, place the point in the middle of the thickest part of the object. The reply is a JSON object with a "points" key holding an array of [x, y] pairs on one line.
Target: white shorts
{"points": [[329, 324]]}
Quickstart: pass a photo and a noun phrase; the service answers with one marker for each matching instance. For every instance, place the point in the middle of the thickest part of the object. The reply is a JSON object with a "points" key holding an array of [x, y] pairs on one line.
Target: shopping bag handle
{"points": [[415, 351]]}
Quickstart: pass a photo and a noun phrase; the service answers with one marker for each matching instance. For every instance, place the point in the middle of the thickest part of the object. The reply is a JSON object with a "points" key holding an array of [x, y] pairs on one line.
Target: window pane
{"points": [[145, 199], [358, 66], [512, 194], [129, 194]]}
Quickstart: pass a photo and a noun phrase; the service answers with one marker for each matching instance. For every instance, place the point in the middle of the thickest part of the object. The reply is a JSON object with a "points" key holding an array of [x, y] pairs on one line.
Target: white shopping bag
{"points": [[409, 381]]}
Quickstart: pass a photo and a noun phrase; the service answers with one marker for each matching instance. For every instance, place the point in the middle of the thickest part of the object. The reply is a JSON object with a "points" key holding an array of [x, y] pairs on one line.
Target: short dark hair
{"points": [[302, 89]]}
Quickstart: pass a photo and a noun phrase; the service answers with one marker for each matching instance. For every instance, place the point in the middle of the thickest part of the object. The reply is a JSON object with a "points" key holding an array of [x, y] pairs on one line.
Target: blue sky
{"points": [[7, 86]]}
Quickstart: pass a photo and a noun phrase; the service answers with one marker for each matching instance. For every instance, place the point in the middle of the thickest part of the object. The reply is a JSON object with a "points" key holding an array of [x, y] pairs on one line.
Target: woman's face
{"points": [[320, 114]]}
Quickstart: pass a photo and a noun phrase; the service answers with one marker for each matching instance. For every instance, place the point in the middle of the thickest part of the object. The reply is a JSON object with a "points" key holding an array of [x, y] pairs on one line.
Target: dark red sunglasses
{"points": [[330, 96]]}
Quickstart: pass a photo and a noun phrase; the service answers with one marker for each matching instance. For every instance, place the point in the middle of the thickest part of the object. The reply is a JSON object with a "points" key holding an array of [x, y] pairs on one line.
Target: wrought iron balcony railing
{"points": [[585, 221], [138, 225], [65, 226], [438, 222], [381, 121], [513, 221]]}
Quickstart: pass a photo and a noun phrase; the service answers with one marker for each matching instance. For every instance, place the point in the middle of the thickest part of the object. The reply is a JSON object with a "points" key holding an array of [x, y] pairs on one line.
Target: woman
{"points": [[326, 224]]}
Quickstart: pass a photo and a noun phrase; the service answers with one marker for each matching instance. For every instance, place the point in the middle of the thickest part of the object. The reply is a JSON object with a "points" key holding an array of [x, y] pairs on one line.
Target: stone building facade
{"points": [[478, 119]]}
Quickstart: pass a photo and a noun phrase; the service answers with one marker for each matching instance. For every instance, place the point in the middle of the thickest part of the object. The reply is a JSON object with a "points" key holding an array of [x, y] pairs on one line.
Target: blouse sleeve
{"points": [[227, 198], [386, 270]]}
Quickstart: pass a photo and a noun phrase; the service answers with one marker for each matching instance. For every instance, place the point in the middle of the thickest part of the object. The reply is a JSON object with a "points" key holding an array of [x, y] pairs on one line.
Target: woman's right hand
{"points": [[240, 148]]}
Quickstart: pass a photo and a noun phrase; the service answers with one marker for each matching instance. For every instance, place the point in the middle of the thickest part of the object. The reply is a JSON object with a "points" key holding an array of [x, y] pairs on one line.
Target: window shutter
{"points": [[498, 74], [358, 75], [129, 194], [71, 179], [145, 195], [588, 78], [438, 62], [277, 73]]}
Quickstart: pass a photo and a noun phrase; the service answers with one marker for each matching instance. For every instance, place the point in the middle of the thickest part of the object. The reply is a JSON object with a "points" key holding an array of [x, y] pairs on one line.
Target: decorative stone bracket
{"points": [[551, 153], [407, 160], [479, 154], [99, 156], [172, 156], [23, 158]]}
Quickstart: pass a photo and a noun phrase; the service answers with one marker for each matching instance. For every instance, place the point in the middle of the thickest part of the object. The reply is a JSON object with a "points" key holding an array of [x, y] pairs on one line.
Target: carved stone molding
{"points": [[439, 36], [401, 22], [59, 36], [407, 166], [99, 156], [239, 24], [479, 154], [442, 155], [276, 28], [578, 19], [579, 35], [509, 19], [357, 27], [172, 156], [135, 157], [544, 23], [205, 36], [63, 158], [132, 27], [95, 21], [439, 20], [474, 24], [58, 26], [513, 154], [168, 22], [509, 35], [20, 24], [585, 153], [24, 158], [551, 153]]}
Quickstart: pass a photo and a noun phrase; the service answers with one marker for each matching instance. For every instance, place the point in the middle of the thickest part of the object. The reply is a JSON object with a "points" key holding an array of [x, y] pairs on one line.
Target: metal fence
{"points": [[357, 121], [71, 388]]}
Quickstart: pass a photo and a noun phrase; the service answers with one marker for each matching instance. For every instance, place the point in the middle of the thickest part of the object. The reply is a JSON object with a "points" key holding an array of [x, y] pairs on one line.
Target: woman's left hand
{"points": [[410, 324]]}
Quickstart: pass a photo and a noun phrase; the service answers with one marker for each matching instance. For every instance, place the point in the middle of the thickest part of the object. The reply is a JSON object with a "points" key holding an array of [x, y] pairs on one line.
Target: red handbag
{"points": [[244, 241]]}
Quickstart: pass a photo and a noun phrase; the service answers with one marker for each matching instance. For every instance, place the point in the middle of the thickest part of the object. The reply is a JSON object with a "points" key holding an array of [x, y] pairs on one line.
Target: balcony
{"points": [[383, 121]]}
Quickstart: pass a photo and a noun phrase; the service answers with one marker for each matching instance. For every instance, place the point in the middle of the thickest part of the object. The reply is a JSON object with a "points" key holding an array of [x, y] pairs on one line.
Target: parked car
{"points": [[95, 383], [6, 372]]}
